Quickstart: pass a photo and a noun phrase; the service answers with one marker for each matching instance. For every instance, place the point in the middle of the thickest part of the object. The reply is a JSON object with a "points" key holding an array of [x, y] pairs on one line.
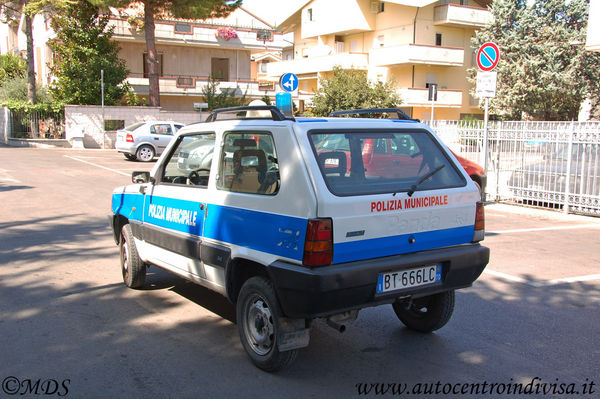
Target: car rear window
{"points": [[374, 162], [131, 128]]}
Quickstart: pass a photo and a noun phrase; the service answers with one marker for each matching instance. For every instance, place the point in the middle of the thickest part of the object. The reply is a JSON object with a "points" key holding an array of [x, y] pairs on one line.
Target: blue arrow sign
{"points": [[289, 82]]}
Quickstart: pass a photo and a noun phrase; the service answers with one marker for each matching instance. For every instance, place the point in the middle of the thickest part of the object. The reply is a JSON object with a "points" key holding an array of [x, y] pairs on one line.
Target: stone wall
{"points": [[86, 121]]}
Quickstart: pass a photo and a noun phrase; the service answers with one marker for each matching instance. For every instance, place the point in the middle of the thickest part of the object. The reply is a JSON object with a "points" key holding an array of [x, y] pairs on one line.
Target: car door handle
{"points": [[156, 138]]}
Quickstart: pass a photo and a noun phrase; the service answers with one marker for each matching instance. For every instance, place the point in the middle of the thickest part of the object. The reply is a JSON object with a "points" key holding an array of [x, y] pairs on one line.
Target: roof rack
{"points": [[276, 114], [399, 113]]}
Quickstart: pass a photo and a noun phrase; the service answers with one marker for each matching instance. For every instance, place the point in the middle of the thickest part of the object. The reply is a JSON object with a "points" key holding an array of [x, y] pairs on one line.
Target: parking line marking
{"points": [[572, 227], [98, 166], [590, 277], [542, 283], [506, 276]]}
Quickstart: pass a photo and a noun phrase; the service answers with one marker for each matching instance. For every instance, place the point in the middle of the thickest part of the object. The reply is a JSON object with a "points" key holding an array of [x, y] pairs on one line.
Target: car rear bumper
{"points": [[318, 292], [125, 147]]}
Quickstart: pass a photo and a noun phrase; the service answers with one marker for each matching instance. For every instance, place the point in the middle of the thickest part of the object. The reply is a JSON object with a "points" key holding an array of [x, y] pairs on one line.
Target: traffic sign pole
{"points": [[487, 59], [485, 146]]}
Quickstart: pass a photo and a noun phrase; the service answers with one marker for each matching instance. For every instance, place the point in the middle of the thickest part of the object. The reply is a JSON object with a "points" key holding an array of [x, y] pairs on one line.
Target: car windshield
{"points": [[373, 162], [131, 128]]}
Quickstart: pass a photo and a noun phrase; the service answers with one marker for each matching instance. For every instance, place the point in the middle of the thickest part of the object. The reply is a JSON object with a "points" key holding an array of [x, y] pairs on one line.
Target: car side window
{"points": [[190, 161], [249, 164], [161, 128], [177, 127]]}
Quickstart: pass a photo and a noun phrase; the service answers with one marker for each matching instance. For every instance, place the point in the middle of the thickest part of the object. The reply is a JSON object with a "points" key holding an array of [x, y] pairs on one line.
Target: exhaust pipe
{"points": [[335, 325]]}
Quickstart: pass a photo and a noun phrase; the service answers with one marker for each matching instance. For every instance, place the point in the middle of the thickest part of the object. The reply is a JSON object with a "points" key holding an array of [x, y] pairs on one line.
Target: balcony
{"points": [[319, 64], [192, 85], [418, 98], [462, 16], [191, 34], [417, 54]]}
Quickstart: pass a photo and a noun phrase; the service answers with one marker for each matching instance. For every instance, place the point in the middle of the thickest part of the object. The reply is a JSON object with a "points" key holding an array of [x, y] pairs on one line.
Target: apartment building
{"points": [[413, 43], [190, 51]]}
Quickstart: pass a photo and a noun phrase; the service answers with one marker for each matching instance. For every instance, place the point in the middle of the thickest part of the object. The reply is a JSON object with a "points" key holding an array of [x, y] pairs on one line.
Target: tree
{"points": [[13, 11], [11, 66], [226, 98], [350, 89], [543, 73], [188, 9], [83, 47]]}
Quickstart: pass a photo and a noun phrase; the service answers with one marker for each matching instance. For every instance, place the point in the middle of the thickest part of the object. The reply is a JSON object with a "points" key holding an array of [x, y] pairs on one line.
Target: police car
{"points": [[288, 220]]}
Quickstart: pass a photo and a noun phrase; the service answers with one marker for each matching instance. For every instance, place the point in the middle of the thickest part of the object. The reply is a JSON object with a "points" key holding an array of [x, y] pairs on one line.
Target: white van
{"points": [[288, 219]]}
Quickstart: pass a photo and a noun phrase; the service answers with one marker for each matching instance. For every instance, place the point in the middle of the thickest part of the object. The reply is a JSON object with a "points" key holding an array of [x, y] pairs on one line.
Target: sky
{"points": [[265, 9]]}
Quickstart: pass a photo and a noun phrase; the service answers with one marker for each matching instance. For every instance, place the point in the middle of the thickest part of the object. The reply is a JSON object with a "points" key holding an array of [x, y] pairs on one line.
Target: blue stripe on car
{"points": [[272, 233], [396, 245]]}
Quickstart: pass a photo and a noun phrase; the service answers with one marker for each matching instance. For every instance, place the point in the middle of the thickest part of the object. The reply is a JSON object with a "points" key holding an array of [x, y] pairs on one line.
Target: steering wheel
{"points": [[194, 177]]}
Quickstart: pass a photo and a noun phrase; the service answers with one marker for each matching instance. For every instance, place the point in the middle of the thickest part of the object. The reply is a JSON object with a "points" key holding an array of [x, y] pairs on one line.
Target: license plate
{"points": [[392, 281]]}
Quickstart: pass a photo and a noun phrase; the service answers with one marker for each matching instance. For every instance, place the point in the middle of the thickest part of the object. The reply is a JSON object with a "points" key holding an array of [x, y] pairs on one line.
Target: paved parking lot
{"points": [[65, 314]]}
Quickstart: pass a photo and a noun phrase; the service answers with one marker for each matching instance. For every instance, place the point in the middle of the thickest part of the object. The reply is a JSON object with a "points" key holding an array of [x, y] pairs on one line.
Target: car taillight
{"points": [[318, 246], [129, 138], [479, 223]]}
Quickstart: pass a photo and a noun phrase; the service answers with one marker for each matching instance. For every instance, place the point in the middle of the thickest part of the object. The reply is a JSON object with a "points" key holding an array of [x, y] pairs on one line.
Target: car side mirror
{"points": [[141, 177]]}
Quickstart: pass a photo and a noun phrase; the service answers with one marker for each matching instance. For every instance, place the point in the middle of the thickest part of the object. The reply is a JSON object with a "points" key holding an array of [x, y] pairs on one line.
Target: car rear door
{"points": [[162, 134], [422, 201]]}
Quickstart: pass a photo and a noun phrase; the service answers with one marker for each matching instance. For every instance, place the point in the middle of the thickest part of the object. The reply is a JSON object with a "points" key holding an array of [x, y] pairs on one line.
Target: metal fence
{"points": [[37, 124], [552, 164]]}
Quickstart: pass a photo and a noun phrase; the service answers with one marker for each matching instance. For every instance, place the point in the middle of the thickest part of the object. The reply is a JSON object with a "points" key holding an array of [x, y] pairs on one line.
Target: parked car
{"points": [[549, 175], [143, 141], [383, 154], [285, 218]]}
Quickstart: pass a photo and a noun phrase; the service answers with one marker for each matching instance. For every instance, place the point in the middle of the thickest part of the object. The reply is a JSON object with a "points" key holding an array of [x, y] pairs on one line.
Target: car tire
{"points": [[258, 315], [145, 153], [132, 267], [425, 314], [130, 157]]}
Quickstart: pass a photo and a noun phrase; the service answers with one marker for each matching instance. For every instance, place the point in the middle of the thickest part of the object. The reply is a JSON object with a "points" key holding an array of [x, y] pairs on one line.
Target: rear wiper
{"points": [[422, 179]]}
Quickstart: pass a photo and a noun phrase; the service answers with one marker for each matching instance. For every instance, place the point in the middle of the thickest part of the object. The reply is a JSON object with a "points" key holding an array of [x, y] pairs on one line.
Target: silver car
{"points": [[144, 140]]}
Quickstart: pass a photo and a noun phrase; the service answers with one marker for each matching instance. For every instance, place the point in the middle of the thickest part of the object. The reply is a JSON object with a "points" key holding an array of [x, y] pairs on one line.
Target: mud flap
{"points": [[292, 334]]}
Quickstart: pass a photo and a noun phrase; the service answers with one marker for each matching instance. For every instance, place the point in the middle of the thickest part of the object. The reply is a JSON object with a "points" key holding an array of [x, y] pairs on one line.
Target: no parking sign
{"points": [[488, 56]]}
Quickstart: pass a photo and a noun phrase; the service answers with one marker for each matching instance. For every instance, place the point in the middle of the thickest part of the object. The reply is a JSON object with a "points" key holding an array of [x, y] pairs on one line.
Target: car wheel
{"points": [[132, 267], [425, 314], [258, 315], [129, 157], [145, 153]]}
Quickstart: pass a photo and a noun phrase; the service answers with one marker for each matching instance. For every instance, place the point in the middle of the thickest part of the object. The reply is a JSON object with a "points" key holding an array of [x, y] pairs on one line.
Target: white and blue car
{"points": [[288, 220]]}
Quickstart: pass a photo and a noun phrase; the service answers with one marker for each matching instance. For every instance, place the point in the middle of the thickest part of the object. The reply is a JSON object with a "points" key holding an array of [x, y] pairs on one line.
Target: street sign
{"points": [[486, 84], [432, 96], [488, 56], [288, 82]]}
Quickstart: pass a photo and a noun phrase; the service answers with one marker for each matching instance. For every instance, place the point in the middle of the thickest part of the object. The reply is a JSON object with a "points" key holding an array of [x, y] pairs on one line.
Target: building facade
{"points": [[190, 52], [412, 43]]}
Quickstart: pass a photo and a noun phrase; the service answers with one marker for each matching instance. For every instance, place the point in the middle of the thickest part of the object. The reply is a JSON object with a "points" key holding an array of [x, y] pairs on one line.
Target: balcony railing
{"points": [[199, 35], [192, 85], [319, 64], [419, 98], [462, 16], [417, 54]]}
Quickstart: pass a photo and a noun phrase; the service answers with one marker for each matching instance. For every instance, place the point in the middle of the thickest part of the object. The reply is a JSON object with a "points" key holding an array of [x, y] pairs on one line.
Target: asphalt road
{"points": [[67, 320]]}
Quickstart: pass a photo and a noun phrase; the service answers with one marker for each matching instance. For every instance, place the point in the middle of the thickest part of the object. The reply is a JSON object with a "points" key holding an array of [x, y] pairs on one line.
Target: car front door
{"points": [[175, 206]]}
